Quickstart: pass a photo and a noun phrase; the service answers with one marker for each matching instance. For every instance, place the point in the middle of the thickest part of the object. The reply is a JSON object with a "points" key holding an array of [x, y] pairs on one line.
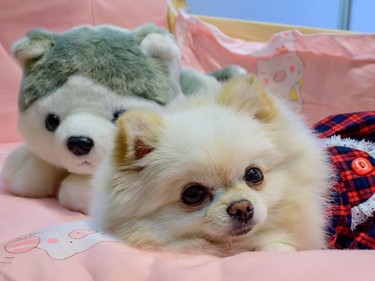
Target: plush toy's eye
{"points": [[195, 194], [253, 176], [117, 114], [52, 122]]}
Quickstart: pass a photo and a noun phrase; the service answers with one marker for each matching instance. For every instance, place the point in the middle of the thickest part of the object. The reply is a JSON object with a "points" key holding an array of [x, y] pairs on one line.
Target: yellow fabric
{"points": [[243, 29]]}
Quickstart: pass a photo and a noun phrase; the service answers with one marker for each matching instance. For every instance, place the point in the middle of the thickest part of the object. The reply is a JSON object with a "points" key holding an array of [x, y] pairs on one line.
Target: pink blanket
{"points": [[319, 74]]}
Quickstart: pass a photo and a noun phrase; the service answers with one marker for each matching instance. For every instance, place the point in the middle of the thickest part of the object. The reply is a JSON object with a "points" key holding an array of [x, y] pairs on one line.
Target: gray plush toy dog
{"points": [[74, 87]]}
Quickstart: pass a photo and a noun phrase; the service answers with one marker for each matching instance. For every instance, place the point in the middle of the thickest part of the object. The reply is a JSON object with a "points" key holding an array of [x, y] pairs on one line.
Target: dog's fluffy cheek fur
{"points": [[175, 236], [116, 206], [291, 211], [154, 231]]}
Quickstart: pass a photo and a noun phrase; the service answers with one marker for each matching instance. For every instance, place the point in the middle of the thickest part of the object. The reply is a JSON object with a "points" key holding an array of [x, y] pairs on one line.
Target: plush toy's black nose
{"points": [[80, 145], [241, 210]]}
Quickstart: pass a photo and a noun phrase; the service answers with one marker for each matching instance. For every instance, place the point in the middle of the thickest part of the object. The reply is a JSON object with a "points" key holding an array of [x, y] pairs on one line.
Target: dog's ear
{"points": [[137, 136], [247, 94]]}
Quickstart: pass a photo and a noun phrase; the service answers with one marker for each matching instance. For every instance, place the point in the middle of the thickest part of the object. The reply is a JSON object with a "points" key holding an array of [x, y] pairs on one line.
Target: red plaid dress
{"points": [[351, 189]]}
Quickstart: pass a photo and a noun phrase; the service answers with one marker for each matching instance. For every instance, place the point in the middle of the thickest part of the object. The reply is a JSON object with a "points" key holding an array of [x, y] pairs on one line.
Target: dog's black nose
{"points": [[80, 145], [241, 210]]}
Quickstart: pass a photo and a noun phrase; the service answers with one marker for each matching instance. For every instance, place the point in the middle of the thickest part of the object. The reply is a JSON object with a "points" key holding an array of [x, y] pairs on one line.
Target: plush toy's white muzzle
{"points": [[83, 139]]}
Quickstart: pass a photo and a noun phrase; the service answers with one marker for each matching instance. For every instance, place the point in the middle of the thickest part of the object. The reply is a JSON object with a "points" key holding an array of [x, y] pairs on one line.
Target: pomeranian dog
{"points": [[220, 174]]}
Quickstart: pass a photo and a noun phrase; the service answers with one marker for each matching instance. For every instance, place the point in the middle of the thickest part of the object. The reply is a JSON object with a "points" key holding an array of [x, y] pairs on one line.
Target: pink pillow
{"points": [[319, 74], [17, 17]]}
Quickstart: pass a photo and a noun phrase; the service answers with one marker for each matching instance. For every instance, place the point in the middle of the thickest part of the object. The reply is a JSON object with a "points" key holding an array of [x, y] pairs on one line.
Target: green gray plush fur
{"points": [[109, 56]]}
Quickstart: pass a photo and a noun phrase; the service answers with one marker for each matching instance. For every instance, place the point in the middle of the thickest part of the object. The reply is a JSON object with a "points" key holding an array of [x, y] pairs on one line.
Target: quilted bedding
{"points": [[320, 75]]}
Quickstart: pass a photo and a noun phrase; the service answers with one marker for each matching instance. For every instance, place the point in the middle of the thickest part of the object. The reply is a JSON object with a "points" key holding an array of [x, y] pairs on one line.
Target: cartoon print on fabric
{"points": [[60, 242], [281, 69]]}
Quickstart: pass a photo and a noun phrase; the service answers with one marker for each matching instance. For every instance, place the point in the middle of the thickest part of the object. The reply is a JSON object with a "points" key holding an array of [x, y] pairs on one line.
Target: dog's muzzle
{"points": [[241, 214]]}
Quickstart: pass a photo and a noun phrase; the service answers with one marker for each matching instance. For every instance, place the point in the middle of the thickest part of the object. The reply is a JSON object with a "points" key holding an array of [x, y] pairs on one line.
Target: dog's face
{"points": [[213, 170]]}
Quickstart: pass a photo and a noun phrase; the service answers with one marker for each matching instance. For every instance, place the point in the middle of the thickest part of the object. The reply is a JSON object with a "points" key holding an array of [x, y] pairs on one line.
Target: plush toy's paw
{"points": [[75, 193], [226, 73], [163, 47], [196, 82], [27, 175], [193, 81]]}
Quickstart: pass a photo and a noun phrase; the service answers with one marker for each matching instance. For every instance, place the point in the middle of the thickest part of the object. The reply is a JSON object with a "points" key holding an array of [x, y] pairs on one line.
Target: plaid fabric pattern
{"points": [[358, 125], [350, 189]]}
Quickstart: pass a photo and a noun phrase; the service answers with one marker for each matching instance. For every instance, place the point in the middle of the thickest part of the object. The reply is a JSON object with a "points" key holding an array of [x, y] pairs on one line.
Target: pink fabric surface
{"points": [[20, 215], [329, 73], [23, 215], [17, 17], [79, 249]]}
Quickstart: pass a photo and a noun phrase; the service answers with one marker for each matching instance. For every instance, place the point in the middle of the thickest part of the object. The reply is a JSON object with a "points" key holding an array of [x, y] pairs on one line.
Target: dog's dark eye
{"points": [[253, 176], [52, 122], [195, 194], [117, 114]]}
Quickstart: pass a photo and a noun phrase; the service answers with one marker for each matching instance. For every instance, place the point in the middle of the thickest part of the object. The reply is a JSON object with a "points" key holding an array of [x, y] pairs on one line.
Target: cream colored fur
{"points": [[211, 140]]}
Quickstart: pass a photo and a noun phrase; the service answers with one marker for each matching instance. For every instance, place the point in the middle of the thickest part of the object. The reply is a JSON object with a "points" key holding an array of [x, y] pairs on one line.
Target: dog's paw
{"points": [[276, 247]]}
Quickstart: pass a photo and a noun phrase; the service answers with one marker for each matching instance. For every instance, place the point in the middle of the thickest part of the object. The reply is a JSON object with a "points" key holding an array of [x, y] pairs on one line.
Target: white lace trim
{"points": [[363, 145], [366, 210], [363, 212]]}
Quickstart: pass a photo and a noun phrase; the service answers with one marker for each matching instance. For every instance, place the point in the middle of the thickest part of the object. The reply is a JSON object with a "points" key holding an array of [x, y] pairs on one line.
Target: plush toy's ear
{"points": [[247, 94], [137, 136], [158, 43], [31, 47]]}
